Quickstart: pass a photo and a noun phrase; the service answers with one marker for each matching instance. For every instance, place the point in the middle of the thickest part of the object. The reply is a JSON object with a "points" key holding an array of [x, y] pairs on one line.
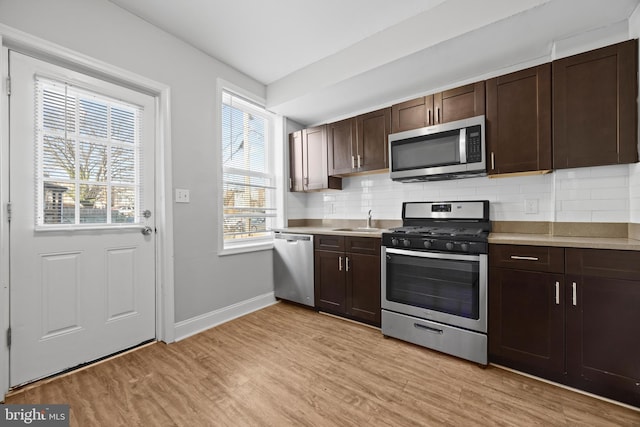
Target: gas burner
{"points": [[442, 226], [438, 231], [458, 232]]}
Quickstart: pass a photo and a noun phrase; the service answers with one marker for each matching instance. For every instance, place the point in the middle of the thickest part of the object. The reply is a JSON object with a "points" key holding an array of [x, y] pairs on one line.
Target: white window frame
{"points": [[253, 244]]}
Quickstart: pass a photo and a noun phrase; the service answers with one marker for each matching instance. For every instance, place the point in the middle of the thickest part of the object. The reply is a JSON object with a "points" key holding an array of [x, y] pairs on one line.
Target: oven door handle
{"points": [[435, 255], [428, 328]]}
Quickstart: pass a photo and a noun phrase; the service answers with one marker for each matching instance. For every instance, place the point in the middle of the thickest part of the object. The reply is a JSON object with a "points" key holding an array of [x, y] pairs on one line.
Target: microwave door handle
{"points": [[463, 145]]}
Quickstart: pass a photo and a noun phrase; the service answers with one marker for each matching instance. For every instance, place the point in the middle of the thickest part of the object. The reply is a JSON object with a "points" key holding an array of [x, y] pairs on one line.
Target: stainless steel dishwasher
{"points": [[293, 267]]}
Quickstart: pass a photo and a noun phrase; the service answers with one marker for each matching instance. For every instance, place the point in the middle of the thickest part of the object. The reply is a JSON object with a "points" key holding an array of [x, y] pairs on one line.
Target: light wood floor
{"points": [[289, 366]]}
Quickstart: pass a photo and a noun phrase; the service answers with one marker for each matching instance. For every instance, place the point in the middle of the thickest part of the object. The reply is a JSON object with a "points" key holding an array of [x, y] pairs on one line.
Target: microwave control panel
{"points": [[474, 145]]}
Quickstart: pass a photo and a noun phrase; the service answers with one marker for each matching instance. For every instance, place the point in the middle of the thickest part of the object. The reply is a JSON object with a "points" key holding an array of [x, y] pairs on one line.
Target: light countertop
{"points": [[565, 241], [494, 238], [338, 231]]}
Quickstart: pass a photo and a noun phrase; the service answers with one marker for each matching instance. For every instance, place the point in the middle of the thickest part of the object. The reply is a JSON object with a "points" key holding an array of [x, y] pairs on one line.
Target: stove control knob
{"points": [[449, 246], [394, 241], [406, 242], [464, 247], [427, 243]]}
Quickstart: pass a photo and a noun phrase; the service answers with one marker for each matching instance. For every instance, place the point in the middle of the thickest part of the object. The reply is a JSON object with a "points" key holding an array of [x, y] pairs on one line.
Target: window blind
{"points": [[88, 157], [248, 178]]}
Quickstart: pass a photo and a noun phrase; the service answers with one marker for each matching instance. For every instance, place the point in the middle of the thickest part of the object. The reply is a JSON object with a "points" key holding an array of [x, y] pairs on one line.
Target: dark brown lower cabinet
{"points": [[363, 287], [526, 322], [580, 328], [347, 277], [330, 281], [603, 322]]}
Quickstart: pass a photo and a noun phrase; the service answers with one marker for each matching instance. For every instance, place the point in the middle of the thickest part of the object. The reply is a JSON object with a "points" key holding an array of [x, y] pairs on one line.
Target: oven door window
{"points": [[443, 285]]}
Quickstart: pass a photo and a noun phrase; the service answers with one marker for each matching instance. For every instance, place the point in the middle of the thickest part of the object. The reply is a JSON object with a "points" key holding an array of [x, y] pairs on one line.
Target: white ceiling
{"points": [[322, 60]]}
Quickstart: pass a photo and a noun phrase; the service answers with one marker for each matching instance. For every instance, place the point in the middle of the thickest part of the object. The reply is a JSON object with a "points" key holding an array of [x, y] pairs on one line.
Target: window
{"points": [[88, 157], [248, 178]]}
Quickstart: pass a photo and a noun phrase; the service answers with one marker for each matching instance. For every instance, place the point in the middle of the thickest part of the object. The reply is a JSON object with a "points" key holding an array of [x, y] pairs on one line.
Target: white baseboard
{"points": [[189, 327]]}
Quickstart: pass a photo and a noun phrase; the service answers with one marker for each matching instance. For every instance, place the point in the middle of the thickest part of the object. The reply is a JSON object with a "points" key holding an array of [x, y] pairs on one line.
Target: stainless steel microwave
{"points": [[446, 151]]}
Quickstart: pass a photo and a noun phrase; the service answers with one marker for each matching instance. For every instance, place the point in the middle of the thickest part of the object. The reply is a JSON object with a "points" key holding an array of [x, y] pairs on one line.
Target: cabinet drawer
{"points": [[603, 263], [363, 245], [533, 258], [329, 242]]}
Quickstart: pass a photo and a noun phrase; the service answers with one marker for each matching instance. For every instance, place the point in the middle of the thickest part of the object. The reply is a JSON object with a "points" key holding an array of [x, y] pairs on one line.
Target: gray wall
{"points": [[203, 281]]}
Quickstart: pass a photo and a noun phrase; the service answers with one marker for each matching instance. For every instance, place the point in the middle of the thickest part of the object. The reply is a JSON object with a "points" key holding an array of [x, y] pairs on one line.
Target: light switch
{"points": [[182, 195]]}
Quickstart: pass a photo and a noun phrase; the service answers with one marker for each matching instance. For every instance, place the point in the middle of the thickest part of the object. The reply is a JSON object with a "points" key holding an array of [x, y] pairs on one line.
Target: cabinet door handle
{"points": [[524, 258], [557, 293], [346, 263], [574, 293], [438, 115], [353, 162], [359, 161], [429, 123], [493, 161], [339, 263]]}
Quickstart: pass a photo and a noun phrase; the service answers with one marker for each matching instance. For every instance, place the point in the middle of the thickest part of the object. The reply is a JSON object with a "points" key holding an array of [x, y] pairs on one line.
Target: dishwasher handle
{"points": [[293, 237]]}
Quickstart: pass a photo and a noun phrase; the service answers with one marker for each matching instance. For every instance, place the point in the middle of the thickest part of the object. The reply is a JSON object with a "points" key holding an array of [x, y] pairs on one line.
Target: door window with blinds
{"points": [[248, 179], [88, 158]]}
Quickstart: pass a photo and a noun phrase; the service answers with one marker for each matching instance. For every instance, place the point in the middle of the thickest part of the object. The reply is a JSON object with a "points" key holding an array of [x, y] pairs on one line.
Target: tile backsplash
{"points": [[634, 193], [595, 194]]}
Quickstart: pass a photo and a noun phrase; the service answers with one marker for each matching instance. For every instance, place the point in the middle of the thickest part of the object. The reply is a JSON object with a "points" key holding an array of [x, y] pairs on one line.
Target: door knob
{"points": [[147, 231]]}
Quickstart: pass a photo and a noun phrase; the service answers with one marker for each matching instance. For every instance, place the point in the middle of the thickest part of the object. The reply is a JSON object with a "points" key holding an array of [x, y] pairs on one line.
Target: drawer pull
{"points": [[525, 258], [427, 328], [557, 293], [574, 293]]}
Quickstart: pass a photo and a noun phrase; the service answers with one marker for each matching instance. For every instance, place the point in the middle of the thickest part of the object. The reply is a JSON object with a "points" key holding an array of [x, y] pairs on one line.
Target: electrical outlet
{"points": [[182, 195], [531, 206]]}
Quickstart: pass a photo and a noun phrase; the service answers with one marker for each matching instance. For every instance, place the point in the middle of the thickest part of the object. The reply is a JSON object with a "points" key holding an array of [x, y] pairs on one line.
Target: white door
{"points": [[82, 273]]}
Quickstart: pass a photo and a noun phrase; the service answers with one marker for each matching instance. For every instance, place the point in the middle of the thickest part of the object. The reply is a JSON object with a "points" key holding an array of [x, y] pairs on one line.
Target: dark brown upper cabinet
{"points": [[453, 104], [296, 174], [594, 107], [308, 161], [518, 121], [459, 103], [413, 114], [372, 135], [342, 146], [359, 144]]}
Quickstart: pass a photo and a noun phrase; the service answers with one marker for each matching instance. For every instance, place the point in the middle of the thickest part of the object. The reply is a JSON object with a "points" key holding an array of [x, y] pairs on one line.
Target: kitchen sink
{"points": [[359, 230]]}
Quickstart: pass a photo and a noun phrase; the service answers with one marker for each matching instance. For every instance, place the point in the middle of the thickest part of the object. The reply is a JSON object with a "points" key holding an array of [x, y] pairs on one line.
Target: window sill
{"points": [[246, 248]]}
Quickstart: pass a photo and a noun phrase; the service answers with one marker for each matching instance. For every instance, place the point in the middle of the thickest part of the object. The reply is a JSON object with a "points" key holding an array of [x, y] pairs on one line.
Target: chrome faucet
{"points": [[369, 219]]}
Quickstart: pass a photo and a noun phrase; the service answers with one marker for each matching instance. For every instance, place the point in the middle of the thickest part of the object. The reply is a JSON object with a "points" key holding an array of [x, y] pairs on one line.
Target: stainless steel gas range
{"points": [[434, 277]]}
